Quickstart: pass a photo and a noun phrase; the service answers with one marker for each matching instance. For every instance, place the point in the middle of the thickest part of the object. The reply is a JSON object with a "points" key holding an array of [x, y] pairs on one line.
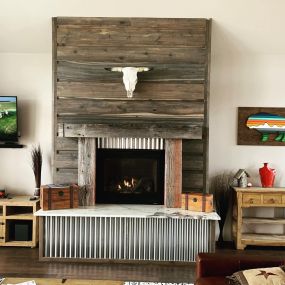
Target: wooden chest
{"points": [[197, 202], [55, 197]]}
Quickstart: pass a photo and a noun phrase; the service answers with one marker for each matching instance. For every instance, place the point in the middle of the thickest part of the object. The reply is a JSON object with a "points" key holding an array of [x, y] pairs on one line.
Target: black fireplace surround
{"points": [[130, 176]]}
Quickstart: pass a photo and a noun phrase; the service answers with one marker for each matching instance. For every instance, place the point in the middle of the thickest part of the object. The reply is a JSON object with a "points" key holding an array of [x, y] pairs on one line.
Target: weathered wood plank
{"points": [[87, 168], [66, 144], [206, 183], [149, 130], [120, 54], [54, 90], [192, 162], [142, 23], [90, 71], [173, 173], [66, 159], [192, 179], [187, 109], [191, 190], [192, 147], [67, 176], [90, 35], [126, 120], [144, 90]]}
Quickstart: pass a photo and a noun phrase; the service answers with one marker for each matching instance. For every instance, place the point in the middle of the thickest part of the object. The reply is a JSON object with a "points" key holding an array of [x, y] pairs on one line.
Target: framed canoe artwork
{"points": [[261, 126]]}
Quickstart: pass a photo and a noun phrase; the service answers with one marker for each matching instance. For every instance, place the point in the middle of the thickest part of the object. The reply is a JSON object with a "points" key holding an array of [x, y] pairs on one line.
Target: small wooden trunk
{"points": [[55, 197], [197, 202]]}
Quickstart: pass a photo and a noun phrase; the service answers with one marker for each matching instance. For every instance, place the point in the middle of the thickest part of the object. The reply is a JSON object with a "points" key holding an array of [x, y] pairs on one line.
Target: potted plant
{"points": [[36, 154]]}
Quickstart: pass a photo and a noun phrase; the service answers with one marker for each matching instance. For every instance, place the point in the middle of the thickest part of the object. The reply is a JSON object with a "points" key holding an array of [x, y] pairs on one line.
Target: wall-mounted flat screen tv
{"points": [[8, 118]]}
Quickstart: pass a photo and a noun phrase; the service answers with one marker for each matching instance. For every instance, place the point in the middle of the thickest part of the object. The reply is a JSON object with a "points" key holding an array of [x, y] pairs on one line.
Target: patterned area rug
{"points": [[54, 281], [155, 283]]}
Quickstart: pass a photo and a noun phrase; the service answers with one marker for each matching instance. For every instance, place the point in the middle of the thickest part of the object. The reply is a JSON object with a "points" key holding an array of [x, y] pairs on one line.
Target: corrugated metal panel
{"points": [[131, 143], [127, 238]]}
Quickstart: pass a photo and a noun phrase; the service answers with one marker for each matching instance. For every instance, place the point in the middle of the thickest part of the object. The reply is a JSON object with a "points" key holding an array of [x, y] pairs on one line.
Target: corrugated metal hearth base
{"points": [[127, 238]]}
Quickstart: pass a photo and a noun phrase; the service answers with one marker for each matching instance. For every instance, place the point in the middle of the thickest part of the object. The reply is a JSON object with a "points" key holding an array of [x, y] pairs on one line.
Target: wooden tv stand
{"points": [[15, 211]]}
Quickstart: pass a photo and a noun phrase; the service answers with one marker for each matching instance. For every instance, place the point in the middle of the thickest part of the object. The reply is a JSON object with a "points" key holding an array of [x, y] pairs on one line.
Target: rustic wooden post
{"points": [[173, 173], [87, 167]]}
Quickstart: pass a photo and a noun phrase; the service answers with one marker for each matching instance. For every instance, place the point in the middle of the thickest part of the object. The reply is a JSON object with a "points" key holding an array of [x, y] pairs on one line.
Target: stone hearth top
{"points": [[135, 211]]}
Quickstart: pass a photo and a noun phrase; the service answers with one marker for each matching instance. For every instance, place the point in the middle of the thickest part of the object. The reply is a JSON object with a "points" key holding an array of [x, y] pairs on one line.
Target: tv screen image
{"points": [[8, 118]]}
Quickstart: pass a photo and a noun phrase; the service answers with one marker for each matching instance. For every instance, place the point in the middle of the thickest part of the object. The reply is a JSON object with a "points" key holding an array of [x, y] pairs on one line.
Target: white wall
{"points": [[248, 65]]}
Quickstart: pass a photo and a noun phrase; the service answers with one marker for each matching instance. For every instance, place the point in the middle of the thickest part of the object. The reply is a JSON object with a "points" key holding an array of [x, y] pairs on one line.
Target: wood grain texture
{"points": [[54, 198], [193, 179], [18, 209], [173, 173], [119, 54], [139, 23], [193, 165], [149, 130], [261, 198], [66, 159], [66, 144], [169, 101], [80, 71], [192, 147], [87, 168], [144, 90], [247, 136], [131, 108], [66, 175], [86, 35], [206, 185], [19, 262]]}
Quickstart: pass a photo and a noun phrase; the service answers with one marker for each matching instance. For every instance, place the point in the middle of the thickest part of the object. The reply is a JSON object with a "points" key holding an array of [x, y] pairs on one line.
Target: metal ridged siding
{"points": [[126, 238], [131, 143]]}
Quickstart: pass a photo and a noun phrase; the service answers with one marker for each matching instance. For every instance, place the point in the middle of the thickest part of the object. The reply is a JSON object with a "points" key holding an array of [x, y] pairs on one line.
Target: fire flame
{"points": [[127, 184]]}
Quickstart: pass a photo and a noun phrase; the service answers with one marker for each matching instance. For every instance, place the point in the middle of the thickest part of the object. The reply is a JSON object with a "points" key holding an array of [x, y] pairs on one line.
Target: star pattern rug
{"points": [[55, 281]]}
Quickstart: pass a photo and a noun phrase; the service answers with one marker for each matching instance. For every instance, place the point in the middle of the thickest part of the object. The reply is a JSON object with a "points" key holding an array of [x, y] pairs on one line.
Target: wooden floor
{"points": [[23, 262]]}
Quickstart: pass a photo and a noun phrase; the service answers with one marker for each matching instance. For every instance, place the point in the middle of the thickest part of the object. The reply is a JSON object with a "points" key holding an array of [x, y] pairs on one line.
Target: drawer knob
{"points": [[272, 201], [251, 201]]}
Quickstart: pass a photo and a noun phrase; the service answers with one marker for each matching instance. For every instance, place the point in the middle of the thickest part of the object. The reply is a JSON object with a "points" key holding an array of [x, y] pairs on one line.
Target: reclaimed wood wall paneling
{"points": [[145, 90], [79, 71], [180, 73]]}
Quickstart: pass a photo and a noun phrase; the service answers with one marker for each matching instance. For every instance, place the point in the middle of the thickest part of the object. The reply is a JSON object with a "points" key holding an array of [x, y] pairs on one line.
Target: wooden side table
{"points": [[16, 214], [257, 197]]}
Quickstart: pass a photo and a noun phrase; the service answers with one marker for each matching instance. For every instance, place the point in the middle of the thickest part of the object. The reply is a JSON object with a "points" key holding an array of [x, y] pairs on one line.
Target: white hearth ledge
{"points": [[134, 211]]}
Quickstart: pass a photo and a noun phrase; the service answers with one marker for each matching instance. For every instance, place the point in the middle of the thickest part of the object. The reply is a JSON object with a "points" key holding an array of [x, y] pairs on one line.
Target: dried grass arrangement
{"points": [[221, 187], [37, 161]]}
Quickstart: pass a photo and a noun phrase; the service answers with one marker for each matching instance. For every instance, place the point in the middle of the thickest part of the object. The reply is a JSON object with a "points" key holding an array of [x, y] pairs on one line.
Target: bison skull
{"points": [[130, 77]]}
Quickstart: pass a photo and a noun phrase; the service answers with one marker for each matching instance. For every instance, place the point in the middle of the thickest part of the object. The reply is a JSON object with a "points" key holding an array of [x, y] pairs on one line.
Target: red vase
{"points": [[267, 175]]}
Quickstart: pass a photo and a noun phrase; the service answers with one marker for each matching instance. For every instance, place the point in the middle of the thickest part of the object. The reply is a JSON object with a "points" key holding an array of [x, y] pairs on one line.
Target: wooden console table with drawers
{"points": [[259, 198]]}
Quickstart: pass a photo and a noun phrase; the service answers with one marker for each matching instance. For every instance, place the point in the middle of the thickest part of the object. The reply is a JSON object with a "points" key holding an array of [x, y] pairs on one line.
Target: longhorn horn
{"points": [[143, 68], [116, 69]]}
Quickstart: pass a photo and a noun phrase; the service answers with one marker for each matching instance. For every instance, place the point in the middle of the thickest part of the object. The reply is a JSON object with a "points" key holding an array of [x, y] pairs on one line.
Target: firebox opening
{"points": [[130, 176]]}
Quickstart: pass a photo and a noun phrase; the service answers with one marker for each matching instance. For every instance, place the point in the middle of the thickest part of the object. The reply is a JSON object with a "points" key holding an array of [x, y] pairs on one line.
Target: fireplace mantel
{"points": [[171, 130]]}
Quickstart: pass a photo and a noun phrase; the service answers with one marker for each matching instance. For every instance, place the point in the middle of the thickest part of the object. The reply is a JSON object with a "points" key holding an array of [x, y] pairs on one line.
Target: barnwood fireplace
{"points": [[98, 131]]}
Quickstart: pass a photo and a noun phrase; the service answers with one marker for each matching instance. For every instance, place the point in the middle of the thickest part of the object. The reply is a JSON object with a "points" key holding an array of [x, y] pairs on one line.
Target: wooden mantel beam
{"points": [[150, 130]]}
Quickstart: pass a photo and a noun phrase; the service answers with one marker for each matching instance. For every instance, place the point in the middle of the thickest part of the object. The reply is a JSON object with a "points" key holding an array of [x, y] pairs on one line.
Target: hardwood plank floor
{"points": [[23, 262]]}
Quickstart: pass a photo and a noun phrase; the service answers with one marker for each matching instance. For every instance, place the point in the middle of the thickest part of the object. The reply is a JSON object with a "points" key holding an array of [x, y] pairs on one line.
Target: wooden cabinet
{"points": [[18, 225], [246, 198]]}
